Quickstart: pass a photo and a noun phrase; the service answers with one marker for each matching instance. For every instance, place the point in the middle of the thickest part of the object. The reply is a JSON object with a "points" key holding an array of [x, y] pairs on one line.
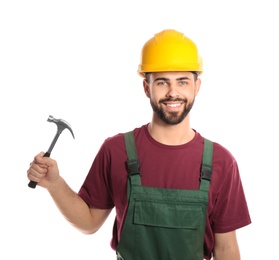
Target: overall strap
{"points": [[133, 165], [206, 168]]}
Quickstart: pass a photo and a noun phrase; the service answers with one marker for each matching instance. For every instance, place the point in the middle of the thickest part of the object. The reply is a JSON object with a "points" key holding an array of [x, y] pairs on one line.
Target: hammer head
{"points": [[61, 125]]}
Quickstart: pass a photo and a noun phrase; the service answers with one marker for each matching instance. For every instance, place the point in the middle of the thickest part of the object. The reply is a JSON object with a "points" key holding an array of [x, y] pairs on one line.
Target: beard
{"points": [[172, 118]]}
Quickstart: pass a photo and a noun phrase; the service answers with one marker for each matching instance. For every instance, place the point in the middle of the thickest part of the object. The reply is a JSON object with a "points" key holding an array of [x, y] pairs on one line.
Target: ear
{"points": [[146, 88], [197, 87]]}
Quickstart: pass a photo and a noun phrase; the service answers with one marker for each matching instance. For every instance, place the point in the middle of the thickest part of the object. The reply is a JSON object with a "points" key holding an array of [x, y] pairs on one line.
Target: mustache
{"points": [[173, 100]]}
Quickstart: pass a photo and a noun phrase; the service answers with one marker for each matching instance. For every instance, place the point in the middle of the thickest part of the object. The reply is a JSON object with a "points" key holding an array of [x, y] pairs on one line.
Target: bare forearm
{"points": [[45, 172], [72, 207], [226, 246], [226, 256]]}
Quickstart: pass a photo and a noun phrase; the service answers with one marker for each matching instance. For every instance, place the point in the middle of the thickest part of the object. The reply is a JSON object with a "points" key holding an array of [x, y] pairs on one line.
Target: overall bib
{"points": [[163, 224]]}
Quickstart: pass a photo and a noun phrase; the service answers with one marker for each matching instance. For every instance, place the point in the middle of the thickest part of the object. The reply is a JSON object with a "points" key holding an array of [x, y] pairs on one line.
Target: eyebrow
{"points": [[167, 79]]}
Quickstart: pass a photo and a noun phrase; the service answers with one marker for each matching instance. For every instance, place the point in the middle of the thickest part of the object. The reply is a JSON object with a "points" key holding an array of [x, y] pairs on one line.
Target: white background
{"points": [[77, 60]]}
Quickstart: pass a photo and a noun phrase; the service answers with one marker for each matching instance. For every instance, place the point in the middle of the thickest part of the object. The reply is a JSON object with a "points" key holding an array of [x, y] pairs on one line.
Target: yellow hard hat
{"points": [[169, 50]]}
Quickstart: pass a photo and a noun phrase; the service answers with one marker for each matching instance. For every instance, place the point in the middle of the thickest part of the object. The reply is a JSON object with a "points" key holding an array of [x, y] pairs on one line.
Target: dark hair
{"points": [[196, 74]]}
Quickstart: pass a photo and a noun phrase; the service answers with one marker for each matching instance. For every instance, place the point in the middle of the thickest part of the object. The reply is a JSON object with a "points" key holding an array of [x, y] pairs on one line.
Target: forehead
{"points": [[172, 75]]}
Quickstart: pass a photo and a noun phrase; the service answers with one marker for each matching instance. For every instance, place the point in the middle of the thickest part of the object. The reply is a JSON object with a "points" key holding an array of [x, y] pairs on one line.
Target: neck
{"points": [[171, 134]]}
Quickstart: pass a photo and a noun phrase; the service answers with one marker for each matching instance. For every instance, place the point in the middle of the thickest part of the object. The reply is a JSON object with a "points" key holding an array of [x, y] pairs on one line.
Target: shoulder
{"points": [[223, 157], [224, 164], [221, 154], [226, 178], [117, 141]]}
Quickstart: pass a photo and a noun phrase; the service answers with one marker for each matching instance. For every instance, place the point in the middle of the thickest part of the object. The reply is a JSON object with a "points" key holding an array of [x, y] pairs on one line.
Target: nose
{"points": [[172, 91]]}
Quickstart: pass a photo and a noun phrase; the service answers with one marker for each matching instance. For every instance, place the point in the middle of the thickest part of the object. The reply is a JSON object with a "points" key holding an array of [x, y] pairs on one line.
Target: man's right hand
{"points": [[43, 170]]}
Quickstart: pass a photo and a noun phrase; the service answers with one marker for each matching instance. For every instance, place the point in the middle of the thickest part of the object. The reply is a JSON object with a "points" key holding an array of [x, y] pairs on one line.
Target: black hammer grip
{"points": [[33, 184]]}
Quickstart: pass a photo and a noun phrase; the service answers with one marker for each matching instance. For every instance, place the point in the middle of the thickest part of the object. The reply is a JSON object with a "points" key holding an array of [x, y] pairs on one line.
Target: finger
{"points": [[47, 161], [36, 173], [36, 168], [39, 158]]}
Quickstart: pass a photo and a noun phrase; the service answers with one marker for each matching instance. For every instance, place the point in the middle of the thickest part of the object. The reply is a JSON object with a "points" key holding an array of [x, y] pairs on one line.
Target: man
{"points": [[177, 195]]}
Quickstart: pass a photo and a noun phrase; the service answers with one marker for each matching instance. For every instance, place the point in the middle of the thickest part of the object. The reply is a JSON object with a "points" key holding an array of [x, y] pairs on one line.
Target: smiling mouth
{"points": [[173, 105]]}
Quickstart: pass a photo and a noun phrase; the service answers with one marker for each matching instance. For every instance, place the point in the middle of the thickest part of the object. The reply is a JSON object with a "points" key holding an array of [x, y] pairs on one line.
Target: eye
{"points": [[183, 82], [161, 83]]}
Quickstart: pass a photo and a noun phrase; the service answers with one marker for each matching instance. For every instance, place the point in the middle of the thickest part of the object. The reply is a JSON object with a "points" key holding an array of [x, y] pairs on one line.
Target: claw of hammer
{"points": [[61, 125]]}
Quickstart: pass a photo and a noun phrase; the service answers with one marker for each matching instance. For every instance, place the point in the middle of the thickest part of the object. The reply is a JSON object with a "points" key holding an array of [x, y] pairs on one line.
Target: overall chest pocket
{"points": [[169, 230]]}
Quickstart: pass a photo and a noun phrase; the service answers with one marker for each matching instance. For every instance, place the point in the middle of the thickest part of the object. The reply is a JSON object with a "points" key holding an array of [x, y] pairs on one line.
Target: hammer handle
{"points": [[33, 184]]}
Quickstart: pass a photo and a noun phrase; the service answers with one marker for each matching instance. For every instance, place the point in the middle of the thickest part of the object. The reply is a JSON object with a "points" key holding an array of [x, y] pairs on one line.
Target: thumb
{"points": [[42, 160]]}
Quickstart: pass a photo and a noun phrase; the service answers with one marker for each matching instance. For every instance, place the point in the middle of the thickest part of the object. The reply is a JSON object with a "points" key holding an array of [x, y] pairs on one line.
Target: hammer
{"points": [[61, 125]]}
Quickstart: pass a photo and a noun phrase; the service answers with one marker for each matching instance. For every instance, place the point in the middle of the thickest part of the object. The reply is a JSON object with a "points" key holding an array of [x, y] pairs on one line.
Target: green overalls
{"points": [[163, 224]]}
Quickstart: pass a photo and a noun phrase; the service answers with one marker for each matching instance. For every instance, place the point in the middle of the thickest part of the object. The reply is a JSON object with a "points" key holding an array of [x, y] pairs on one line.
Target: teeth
{"points": [[173, 105]]}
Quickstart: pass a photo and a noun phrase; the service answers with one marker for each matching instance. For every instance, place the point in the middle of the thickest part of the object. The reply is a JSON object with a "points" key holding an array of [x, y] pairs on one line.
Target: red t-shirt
{"points": [[167, 166]]}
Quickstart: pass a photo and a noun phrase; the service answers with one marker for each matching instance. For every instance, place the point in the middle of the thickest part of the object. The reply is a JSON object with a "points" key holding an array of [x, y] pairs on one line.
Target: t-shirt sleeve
{"points": [[230, 211], [96, 189]]}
